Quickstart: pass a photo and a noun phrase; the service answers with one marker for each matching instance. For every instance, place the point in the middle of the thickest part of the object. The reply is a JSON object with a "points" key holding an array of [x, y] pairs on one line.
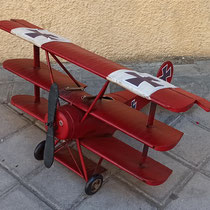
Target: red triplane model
{"points": [[90, 120]]}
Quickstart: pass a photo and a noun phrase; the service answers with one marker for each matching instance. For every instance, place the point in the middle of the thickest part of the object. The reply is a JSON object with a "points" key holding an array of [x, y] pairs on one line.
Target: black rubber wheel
{"points": [[93, 184], [39, 151]]}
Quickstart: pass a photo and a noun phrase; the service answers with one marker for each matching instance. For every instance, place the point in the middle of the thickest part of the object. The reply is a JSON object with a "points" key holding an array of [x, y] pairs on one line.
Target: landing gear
{"points": [[39, 151], [94, 184]]}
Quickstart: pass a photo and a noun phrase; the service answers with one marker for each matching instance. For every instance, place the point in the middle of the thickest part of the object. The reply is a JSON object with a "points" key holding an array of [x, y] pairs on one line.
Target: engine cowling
{"points": [[67, 122]]}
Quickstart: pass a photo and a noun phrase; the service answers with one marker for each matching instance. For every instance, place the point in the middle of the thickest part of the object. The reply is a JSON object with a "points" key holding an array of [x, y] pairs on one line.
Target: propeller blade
{"points": [[49, 145]]}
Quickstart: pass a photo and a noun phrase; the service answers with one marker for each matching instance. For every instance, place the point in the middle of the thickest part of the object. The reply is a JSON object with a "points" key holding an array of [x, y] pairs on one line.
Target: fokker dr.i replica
{"points": [[90, 120]]}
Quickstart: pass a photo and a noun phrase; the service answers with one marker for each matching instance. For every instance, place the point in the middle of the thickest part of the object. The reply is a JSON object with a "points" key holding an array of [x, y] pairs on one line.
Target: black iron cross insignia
{"points": [[165, 73], [37, 33], [137, 80]]}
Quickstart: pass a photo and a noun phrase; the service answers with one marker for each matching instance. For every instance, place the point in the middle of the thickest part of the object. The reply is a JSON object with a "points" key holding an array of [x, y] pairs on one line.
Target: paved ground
{"points": [[26, 184]]}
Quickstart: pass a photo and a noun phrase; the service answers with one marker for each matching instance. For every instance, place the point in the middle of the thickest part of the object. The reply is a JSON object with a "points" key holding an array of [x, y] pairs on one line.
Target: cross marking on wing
{"points": [[137, 80], [37, 33]]}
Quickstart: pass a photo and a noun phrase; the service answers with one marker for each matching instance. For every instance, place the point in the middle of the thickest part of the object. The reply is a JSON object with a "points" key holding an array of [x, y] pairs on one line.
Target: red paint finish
{"points": [[8, 25], [27, 104], [25, 23], [172, 100], [166, 71], [41, 77], [130, 121], [100, 95], [151, 116], [83, 58], [128, 159], [202, 102]]}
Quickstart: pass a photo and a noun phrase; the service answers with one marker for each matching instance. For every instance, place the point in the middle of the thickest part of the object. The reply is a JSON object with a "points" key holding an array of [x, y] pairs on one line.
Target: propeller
{"points": [[49, 144]]}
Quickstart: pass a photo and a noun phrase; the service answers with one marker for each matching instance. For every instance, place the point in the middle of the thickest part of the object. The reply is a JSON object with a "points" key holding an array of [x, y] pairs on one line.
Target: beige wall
{"points": [[116, 29]]}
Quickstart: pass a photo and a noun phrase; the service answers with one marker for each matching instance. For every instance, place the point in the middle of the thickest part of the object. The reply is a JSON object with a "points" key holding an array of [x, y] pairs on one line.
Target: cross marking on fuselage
{"points": [[137, 80], [165, 73], [37, 33]]}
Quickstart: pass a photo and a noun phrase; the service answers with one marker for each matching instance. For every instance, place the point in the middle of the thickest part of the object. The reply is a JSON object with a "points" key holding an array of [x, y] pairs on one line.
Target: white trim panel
{"points": [[141, 84], [37, 36]]}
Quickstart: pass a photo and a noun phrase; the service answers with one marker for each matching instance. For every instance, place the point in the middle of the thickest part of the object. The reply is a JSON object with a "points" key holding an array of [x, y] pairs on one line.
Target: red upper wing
{"points": [[174, 99]]}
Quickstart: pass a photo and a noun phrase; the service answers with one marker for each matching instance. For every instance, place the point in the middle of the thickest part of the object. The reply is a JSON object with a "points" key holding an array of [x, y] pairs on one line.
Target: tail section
{"points": [[166, 71]]}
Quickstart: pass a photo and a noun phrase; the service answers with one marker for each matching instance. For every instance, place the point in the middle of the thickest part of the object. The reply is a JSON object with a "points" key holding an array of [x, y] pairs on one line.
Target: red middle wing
{"points": [[130, 121]]}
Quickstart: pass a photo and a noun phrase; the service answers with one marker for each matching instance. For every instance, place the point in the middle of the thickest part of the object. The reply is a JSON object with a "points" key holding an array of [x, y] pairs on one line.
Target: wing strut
{"points": [[150, 121], [64, 68], [36, 66], [49, 66], [100, 95]]}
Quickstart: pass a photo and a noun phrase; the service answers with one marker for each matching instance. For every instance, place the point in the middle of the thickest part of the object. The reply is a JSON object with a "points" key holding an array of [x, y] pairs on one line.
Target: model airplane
{"points": [[91, 121]]}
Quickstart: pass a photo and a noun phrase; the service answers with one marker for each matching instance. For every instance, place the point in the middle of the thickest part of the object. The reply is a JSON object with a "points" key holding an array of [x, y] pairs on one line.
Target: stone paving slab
{"points": [[194, 196], [21, 199], [206, 168], [6, 181], [59, 185], [5, 91], [203, 66], [17, 151], [186, 70], [6, 76], [194, 145], [10, 121], [22, 88]]}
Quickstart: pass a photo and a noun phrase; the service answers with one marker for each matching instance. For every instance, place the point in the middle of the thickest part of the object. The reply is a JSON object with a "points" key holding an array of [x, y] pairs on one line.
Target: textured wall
{"points": [[116, 29]]}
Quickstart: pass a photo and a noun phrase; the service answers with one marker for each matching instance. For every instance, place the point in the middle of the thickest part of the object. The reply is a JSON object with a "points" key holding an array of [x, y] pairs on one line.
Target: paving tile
{"points": [[194, 196], [22, 88], [206, 168], [17, 151], [150, 68], [186, 70], [5, 75], [59, 185], [6, 181], [115, 195], [194, 145], [203, 66], [10, 121], [22, 199], [5, 90]]}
